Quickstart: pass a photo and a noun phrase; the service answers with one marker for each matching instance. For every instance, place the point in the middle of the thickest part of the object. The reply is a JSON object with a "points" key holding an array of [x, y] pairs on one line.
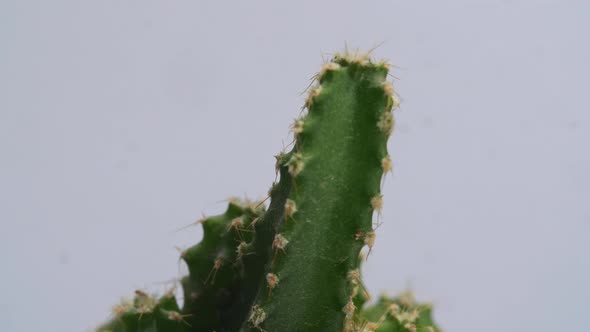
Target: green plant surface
{"points": [[296, 265], [216, 264], [146, 313], [336, 169], [400, 314]]}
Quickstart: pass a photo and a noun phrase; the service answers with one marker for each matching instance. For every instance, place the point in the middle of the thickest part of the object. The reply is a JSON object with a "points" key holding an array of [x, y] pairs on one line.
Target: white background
{"points": [[122, 121]]}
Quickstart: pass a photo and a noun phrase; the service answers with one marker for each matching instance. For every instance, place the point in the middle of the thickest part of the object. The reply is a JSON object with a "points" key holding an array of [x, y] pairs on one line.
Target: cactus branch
{"points": [[296, 265]]}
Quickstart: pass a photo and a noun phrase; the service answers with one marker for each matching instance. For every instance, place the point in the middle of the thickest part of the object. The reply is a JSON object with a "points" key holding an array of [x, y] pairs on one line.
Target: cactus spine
{"points": [[296, 266]]}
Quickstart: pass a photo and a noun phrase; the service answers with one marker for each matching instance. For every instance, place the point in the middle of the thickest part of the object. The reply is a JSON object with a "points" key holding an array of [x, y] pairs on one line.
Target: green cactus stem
{"points": [[335, 169], [296, 265], [216, 264], [147, 313], [401, 314]]}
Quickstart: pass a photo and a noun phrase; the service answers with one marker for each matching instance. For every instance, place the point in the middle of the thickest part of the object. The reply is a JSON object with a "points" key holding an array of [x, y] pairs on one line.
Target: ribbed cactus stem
{"points": [[147, 313], [216, 264], [296, 266], [400, 314], [335, 170]]}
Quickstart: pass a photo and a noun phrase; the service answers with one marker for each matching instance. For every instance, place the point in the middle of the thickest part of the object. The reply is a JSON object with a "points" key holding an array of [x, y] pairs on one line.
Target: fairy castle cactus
{"points": [[296, 265]]}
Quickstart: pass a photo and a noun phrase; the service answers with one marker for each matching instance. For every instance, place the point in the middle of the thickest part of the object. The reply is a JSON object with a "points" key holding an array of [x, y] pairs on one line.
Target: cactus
{"points": [[296, 265]]}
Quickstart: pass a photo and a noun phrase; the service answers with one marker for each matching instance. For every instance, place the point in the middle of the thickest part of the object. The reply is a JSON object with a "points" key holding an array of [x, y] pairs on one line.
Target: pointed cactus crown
{"points": [[295, 266]]}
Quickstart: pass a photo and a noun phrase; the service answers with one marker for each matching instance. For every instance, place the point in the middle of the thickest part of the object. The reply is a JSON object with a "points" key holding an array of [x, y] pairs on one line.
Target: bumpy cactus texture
{"points": [[296, 265]]}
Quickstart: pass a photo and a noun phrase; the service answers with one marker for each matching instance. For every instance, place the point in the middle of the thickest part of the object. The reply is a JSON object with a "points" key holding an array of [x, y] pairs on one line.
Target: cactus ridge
{"points": [[296, 265], [216, 264]]}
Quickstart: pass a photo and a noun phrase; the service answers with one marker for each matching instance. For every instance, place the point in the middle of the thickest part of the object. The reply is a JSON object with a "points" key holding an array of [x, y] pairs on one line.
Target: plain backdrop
{"points": [[122, 121]]}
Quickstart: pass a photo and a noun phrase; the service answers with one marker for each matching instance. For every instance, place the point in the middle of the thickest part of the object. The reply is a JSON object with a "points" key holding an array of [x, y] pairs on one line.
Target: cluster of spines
{"points": [[147, 313], [401, 314]]}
